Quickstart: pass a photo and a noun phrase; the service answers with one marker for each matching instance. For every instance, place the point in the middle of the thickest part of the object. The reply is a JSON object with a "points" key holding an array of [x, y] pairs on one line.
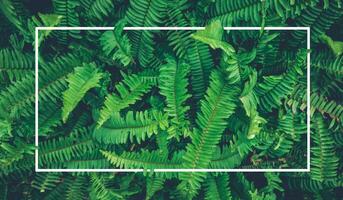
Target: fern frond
{"points": [[194, 52], [145, 13], [129, 91], [15, 65], [134, 127], [52, 76], [143, 160], [70, 17], [46, 181], [87, 161], [328, 63], [218, 105], [318, 19], [277, 87], [173, 85], [293, 125], [324, 162], [80, 81], [101, 189], [153, 185], [306, 183], [61, 149], [77, 188], [59, 191], [323, 105], [236, 11], [227, 158], [212, 35], [335, 46], [200, 61], [18, 99], [273, 182], [14, 14], [116, 45], [217, 187], [100, 9]]}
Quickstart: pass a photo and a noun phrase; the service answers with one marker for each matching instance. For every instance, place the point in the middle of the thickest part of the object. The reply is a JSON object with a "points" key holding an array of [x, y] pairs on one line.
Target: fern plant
{"points": [[170, 99]]}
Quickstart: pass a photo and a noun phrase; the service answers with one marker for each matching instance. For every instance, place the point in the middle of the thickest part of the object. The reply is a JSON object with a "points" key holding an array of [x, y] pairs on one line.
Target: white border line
{"points": [[37, 29]]}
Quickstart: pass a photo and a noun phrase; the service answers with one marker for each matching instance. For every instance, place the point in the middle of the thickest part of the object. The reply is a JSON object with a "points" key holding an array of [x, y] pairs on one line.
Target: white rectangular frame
{"points": [[307, 29]]}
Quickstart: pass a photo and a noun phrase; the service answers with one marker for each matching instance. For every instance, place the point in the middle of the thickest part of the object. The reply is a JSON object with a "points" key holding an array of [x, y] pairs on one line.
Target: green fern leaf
{"points": [[15, 65], [116, 45], [217, 187], [143, 160], [153, 184], [129, 91], [212, 35], [80, 81], [219, 104], [139, 125], [324, 162], [173, 85]]}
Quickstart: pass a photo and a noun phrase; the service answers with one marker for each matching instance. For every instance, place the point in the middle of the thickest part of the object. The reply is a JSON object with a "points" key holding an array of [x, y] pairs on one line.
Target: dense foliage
{"points": [[207, 99]]}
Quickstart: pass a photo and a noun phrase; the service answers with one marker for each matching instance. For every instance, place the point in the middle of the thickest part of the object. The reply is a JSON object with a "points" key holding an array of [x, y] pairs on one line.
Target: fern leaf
{"points": [[275, 88], [153, 184], [219, 104], [331, 65], [324, 162], [236, 11], [139, 125], [217, 187], [70, 17], [335, 46], [196, 54], [101, 189], [100, 9], [145, 13], [52, 76], [92, 160], [47, 181], [14, 14], [77, 188], [323, 105], [173, 85], [15, 65], [57, 150], [18, 99], [143, 160], [318, 19], [80, 81], [129, 91], [116, 45], [212, 35]]}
